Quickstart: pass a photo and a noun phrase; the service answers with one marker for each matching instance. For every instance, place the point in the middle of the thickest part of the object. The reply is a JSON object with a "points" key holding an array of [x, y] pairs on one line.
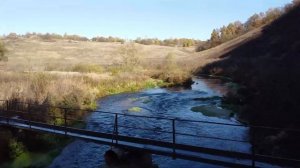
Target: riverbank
{"points": [[83, 92], [158, 102], [37, 151]]}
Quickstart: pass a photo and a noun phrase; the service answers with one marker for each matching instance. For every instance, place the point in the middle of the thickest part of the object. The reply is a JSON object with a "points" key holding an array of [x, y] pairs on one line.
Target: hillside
{"points": [[33, 54], [38, 55], [268, 68], [200, 59]]}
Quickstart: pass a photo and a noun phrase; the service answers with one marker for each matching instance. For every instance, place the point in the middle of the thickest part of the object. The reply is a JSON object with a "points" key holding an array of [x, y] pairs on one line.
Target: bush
{"points": [[16, 148], [174, 74], [131, 58]]}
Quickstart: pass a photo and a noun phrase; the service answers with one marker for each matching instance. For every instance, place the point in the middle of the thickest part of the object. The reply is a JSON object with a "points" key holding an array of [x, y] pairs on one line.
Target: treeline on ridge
{"points": [[179, 42], [237, 28], [51, 37]]}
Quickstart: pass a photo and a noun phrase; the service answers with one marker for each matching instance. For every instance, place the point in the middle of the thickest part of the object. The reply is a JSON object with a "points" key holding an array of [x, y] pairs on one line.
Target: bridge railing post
{"points": [[65, 120], [173, 138], [29, 115], [116, 128], [253, 146], [7, 112], [2, 110]]}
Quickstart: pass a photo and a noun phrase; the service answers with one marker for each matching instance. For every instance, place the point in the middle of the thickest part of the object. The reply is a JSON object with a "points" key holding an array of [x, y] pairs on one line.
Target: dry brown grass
{"points": [[98, 67], [75, 74], [41, 87], [74, 90], [29, 54]]}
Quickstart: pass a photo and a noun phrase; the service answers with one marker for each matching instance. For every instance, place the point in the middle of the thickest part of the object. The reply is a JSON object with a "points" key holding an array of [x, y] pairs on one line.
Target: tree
{"points": [[130, 56], [12, 36], [236, 29], [104, 39], [271, 15], [254, 21], [2, 52], [239, 28], [224, 34], [215, 37], [187, 43], [296, 2]]}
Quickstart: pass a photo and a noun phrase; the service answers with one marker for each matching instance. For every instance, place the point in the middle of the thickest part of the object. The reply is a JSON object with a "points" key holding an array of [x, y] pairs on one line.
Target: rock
{"points": [[111, 159], [212, 111], [207, 98]]}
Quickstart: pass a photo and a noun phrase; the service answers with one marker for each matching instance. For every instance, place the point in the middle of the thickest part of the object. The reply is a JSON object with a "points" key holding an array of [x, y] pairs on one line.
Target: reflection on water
{"points": [[210, 85], [173, 103]]}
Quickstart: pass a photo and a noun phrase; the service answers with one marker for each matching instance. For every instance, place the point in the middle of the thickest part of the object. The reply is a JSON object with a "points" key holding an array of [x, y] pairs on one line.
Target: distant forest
{"points": [[51, 37]]}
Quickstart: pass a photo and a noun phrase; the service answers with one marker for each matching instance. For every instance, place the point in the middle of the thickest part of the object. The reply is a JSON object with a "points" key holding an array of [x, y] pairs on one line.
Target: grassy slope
{"points": [[31, 54], [200, 59], [267, 63], [26, 54]]}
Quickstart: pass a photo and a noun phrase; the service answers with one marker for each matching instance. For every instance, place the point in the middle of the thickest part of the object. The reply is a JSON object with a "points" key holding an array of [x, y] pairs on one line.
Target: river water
{"points": [[201, 102]]}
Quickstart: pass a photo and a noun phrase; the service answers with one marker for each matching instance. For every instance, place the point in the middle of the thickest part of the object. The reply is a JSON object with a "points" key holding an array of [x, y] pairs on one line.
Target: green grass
{"points": [[32, 159], [121, 86], [135, 109]]}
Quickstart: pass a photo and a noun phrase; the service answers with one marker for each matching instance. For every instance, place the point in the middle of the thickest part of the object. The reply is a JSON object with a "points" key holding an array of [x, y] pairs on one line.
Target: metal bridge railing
{"points": [[67, 118]]}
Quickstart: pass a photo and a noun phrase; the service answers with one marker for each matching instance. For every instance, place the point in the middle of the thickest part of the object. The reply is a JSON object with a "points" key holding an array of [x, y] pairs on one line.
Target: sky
{"points": [[128, 19]]}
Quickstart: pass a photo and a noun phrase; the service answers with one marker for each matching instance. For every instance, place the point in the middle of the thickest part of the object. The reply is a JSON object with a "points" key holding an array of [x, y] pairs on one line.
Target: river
{"points": [[201, 102]]}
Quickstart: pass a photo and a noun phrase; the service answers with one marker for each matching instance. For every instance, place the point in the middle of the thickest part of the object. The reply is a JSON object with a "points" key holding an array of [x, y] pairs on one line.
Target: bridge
{"points": [[61, 121]]}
